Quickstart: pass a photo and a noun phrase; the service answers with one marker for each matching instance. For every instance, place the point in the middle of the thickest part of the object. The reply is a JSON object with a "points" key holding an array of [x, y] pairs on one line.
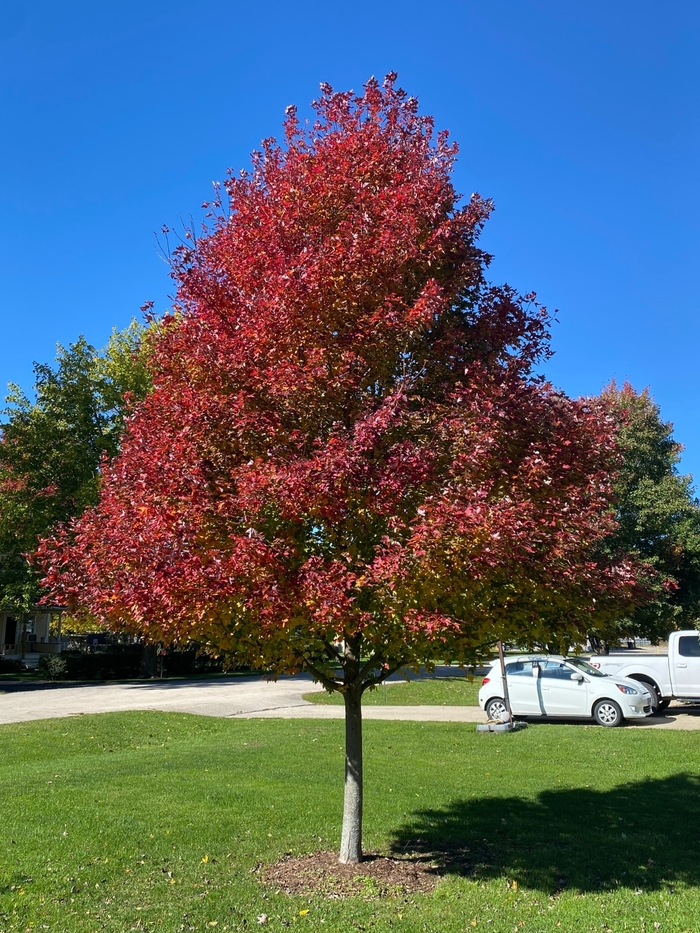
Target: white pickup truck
{"points": [[673, 676]]}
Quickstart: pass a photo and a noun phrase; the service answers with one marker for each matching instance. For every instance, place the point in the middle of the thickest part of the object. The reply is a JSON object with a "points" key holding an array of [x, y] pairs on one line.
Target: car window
{"points": [[555, 670], [519, 668], [689, 646], [586, 668]]}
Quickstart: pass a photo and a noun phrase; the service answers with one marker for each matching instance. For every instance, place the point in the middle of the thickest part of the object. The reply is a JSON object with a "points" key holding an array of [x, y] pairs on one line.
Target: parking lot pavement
{"points": [[678, 716], [249, 697]]}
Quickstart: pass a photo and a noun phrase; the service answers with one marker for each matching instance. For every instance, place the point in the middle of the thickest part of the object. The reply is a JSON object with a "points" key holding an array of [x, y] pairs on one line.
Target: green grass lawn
{"points": [[154, 821], [442, 691]]}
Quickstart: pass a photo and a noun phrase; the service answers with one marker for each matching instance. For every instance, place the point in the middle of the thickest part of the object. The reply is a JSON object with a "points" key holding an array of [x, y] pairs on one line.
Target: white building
{"points": [[27, 637]]}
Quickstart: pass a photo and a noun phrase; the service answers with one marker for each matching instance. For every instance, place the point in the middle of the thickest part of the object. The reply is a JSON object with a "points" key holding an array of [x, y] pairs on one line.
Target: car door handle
{"points": [[681, 665]]}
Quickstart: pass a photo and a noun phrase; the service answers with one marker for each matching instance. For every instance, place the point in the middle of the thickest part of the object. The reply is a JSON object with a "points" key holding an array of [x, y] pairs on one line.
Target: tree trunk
{"points": [[148, 661], [351, 840]]}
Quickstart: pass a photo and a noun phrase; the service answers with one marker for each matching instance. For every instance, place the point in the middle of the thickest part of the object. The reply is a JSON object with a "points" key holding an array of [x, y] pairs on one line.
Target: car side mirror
{"points": [[578, 677]]}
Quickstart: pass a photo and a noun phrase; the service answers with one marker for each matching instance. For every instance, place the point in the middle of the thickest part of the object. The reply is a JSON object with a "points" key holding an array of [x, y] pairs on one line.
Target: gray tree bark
{"points": [[351, 840]]}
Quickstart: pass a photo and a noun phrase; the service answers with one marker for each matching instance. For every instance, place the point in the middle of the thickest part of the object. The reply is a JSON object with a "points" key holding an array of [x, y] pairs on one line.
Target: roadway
{"points": [[237, 697]]}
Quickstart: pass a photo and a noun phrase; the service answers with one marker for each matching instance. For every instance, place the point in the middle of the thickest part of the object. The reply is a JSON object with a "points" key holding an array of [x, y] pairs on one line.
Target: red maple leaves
{"points": [[345, 439]]}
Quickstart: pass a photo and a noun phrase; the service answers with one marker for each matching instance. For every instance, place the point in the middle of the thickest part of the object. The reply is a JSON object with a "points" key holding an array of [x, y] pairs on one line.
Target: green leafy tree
{"points": [[658, 515], [51, 448]]}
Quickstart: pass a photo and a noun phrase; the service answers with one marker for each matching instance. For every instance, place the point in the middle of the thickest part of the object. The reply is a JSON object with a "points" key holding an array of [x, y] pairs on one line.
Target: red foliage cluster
{"points": [[345, 438]]}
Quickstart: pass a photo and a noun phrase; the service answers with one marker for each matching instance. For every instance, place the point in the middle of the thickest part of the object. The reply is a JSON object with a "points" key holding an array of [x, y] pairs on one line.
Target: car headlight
{"points": [[623, 688]]}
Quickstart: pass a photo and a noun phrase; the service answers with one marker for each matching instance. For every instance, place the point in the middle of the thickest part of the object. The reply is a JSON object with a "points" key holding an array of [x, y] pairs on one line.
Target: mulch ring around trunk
{"points": [[375, 876]]}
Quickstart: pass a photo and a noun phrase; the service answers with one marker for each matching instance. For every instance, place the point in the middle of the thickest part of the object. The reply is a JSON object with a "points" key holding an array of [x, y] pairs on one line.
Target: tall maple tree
{"points": [[347, 464]]}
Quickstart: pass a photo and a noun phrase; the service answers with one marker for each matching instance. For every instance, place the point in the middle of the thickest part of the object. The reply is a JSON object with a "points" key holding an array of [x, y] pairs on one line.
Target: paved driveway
{"points": [[227, 696], [238, 697], [243, 697]]}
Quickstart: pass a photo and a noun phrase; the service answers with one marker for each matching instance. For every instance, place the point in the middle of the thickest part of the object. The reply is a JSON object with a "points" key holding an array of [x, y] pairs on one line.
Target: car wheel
{"points": [[496, 709], [658, 704], [607, 713]]}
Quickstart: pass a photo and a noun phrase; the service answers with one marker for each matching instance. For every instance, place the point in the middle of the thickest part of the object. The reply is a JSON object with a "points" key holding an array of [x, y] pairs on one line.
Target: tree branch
{"points": [[375, 681], [368, 665], [328, 682], [333, 652]]}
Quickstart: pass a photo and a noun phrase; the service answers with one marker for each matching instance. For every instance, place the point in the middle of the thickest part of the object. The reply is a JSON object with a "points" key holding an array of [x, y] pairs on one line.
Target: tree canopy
{"points": [[51, 447], [348, 463], [658, 517]]}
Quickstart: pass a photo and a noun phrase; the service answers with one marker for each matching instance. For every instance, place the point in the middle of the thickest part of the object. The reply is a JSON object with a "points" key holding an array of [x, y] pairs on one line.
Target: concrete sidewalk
{"points": [[405, 713], [249, 697], [676, 717]]}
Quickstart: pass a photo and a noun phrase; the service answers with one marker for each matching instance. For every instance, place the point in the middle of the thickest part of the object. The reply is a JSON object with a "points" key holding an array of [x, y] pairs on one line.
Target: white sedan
{"points": [[552, 685]]}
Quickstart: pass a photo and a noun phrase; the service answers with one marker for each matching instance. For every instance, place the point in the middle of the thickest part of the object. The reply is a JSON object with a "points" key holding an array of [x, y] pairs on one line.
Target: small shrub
{"points": [[53, 666], [10, 666]]}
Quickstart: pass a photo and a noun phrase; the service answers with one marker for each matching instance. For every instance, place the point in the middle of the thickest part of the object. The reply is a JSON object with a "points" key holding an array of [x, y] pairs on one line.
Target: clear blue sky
{"points": [[579, 119]]}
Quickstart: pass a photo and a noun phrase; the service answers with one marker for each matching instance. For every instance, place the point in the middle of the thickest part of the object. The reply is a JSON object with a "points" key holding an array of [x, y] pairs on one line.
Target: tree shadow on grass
{"points": [[643, 835]]}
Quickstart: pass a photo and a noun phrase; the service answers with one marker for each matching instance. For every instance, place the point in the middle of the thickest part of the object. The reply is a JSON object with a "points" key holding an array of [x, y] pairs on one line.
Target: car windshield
{"points": [[585, 667]]}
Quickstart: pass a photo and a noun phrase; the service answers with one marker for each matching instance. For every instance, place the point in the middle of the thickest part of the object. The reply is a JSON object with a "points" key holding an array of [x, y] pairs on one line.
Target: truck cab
{"points": [[675, 675]]}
